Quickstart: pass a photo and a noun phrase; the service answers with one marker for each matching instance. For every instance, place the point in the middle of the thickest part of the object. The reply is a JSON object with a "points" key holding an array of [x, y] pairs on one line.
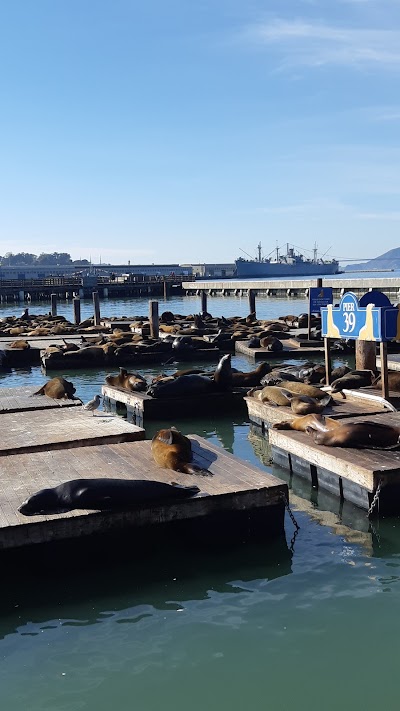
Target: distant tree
{"points": [[84, 262], [55, 258]]}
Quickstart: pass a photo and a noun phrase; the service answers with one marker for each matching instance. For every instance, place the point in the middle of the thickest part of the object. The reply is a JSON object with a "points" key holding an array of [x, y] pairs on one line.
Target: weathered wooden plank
{"points": [[63, 428], [251, 489], [289, 350], [22, 398]]}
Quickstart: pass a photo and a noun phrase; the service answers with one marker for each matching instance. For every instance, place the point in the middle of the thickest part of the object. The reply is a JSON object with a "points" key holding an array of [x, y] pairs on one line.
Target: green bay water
{"points": [[306, 622]]}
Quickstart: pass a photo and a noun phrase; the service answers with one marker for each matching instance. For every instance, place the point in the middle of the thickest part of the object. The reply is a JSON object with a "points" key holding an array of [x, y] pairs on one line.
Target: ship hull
{"points": [[249, 268]]}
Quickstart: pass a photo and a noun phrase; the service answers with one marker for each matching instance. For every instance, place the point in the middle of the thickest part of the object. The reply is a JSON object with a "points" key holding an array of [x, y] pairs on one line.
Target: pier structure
{"points": [[293, 287]]}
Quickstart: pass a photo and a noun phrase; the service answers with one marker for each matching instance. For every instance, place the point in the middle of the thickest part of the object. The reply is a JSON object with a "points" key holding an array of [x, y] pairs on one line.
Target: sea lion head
{"points": [[44, 501]]}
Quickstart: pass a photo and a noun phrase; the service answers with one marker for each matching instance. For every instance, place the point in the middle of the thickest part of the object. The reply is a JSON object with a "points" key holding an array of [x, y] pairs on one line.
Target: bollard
{"points": [[77, 309], [153, 317], [96, 307]]}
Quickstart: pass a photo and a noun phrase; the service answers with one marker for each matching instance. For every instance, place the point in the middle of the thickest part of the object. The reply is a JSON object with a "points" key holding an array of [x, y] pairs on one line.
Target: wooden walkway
{"points": [[41, 430], [291, 348], [140, 406], [348, 472], [21, 398], [236, 488]]}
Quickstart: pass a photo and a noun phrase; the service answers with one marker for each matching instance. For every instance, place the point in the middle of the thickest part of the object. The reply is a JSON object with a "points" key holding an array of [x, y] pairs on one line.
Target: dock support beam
{"points": [[96, 307], [165, 289], [154, 320], [77, 309], [365, 355], [53, 301]]}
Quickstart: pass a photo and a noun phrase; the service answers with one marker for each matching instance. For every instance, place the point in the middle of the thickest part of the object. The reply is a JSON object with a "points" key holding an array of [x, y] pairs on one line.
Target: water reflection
{"points": [[64, 586]]}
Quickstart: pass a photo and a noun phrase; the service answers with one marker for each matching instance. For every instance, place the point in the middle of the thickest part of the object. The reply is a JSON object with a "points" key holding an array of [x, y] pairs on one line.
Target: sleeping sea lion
{"points": [[102, 494], [273, 394], [303, 389], [251, 379], [57, 388], [184, 386], [128, 381], [371, 435], [353, 380], [393, 381], [304, 404], [316, 421], [271, 343], [172, 450], [20, 345]]}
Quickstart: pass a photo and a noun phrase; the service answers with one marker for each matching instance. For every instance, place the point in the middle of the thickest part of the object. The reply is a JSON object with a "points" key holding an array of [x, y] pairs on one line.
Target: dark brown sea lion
{"points": [[102, 495], [172, 450], [57, 388], [316, 421], [128, 381], [184, 386], [304, 405], [393, 381], [353, 380], [270, 343], [223, 373], [251, 379], [371, 435]]}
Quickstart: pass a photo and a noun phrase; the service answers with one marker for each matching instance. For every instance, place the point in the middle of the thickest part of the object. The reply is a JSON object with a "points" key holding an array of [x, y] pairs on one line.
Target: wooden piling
{"points": [[203, 302], [252, 301], [96, 307], [77, 309], [165, 289], [154, 320], [365, 355], [53, 300]]}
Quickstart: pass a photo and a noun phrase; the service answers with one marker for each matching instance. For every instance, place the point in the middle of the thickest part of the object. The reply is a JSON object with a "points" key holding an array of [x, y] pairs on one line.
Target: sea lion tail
{"points": [[189, 468]]}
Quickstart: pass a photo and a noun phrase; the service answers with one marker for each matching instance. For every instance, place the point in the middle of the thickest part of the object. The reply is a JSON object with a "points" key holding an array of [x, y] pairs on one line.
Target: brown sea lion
{"points": [[370, 435], [172, 450], [304, 404], [57, 388], [303, 389], [20, 345], [273, 394], [223, 373], [316, 421], [393, 381], [271, 343], [127, 381]]}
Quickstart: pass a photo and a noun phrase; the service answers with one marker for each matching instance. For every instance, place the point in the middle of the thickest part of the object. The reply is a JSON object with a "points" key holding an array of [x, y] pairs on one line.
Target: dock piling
{"points": [[53, 300], [252, 301], [154, 320], [77, 309], [96, 307], [203, 295]]}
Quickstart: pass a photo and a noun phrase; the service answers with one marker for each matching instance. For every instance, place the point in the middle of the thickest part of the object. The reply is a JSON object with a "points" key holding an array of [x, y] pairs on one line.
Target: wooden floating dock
{"points": [[350, 473], [265, 415], [291, 348], [17, 357], [236, 490], [42, 430], [140, 406], [22, 399]]}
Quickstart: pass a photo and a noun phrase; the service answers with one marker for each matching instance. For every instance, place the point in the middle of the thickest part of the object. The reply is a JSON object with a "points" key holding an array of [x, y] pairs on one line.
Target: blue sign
{"points": [[366, 323], [319, 296]]}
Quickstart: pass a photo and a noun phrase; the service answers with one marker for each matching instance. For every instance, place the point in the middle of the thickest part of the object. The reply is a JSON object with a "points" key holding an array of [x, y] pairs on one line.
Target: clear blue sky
{"points": [[186, 130]]}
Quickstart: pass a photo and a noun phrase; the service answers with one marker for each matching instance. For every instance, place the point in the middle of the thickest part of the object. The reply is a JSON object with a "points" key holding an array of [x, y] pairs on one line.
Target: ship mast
{"points": [[259, 252], [315, 252]]}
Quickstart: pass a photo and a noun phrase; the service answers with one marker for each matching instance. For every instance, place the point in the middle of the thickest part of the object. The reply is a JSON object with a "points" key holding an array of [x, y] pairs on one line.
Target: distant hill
{"points": [[389, 260]]}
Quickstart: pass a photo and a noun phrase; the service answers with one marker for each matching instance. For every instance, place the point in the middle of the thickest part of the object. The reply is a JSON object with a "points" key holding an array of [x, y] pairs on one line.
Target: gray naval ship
{"points": [[285, 265]]}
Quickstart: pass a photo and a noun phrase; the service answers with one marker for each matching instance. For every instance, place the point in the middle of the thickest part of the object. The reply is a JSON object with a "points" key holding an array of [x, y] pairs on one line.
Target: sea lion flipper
{"points": [[189, 468]]}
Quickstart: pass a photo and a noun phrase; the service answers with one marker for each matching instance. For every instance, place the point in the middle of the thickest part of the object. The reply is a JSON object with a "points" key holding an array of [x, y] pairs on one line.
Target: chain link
{"points": [[292, 518], [375, 500]]}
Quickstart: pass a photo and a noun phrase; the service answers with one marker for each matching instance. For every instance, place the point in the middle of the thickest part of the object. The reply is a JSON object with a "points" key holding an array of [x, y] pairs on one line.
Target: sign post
{"points": [[373, 318], [317, 298]]}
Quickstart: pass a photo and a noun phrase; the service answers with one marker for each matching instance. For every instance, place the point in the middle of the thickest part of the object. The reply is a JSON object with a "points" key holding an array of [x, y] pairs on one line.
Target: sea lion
{"points": [[352, 381], [172, 450], [20, 345], [252, 378], [303, 389], [339, 372], [183, 386], [393, 381], [223, 373], [57, 388], [128, 381], [102, 494], [304, 404], [371, 435], [272, 394], [271, 343], [316, 421]]}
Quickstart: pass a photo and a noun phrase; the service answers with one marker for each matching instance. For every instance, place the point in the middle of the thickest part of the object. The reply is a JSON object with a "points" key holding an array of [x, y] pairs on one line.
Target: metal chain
{"points": [[375, 500]]}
